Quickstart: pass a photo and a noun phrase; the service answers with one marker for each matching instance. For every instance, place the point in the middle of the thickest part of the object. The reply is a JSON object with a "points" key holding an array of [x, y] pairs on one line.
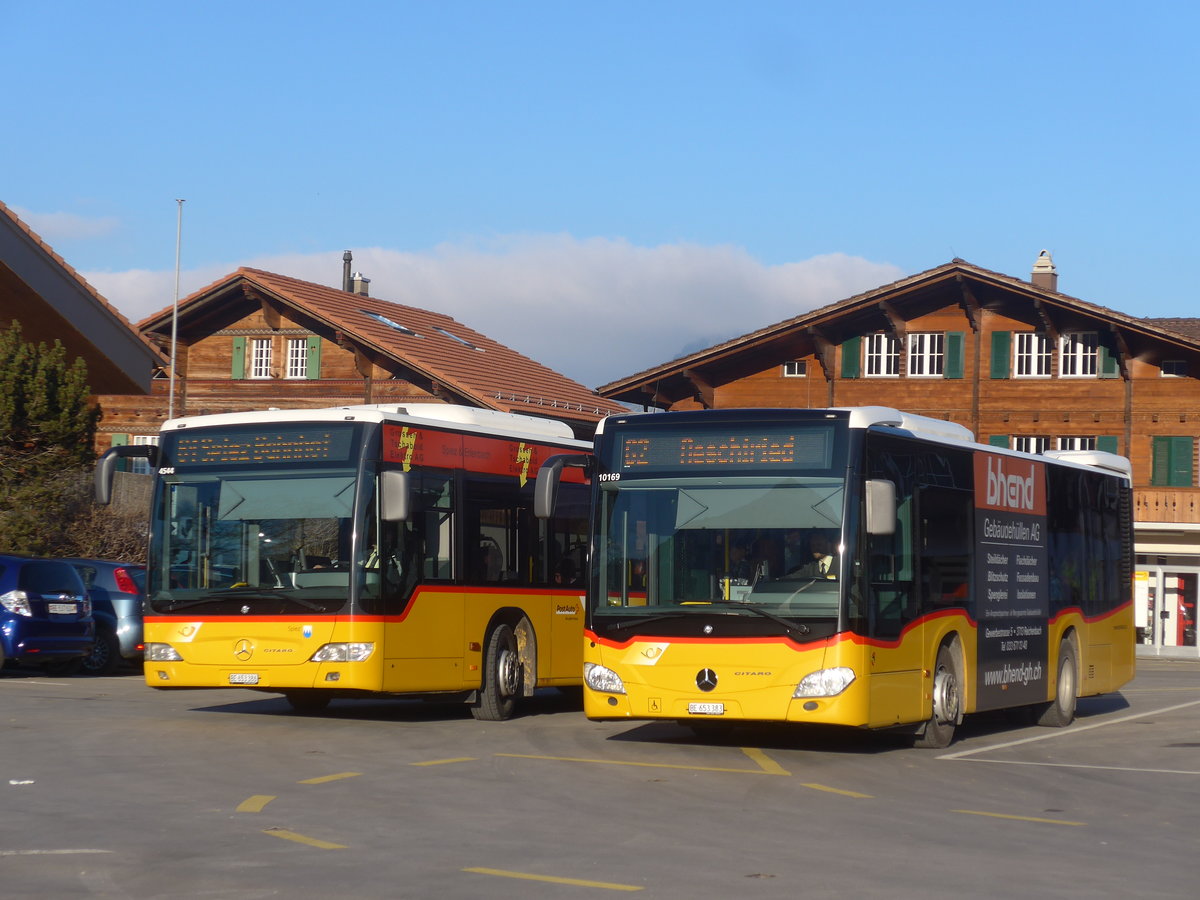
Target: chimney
{"points": [[359, 283], [1045, 276], [346, 257]]}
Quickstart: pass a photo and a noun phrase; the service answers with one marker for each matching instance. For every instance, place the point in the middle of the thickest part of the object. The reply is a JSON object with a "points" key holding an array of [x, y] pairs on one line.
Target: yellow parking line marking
{"points": [[976, 812], [324, 778], [832, 790], [443, 762], [301, 839], [765, 762], [646, 765], [578, 882], [255, 803]]}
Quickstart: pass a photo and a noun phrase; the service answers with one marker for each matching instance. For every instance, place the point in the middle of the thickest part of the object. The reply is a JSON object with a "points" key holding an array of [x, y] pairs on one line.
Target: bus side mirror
{"points": [[394, 496], [881, 506], [102, 479], [545, 486]]}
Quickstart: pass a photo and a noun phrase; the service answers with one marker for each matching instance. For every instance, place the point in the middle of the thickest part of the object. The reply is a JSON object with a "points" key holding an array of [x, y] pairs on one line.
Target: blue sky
{"points": [[604, 186]]}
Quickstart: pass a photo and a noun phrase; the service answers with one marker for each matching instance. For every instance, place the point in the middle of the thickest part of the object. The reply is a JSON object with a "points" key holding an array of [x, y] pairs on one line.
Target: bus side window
{"points": [[945, 559]]}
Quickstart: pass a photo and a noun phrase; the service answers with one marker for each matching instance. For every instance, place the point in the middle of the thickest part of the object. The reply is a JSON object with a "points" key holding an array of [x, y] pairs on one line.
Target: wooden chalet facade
{"points": [[1015, 361], [256, 339]]}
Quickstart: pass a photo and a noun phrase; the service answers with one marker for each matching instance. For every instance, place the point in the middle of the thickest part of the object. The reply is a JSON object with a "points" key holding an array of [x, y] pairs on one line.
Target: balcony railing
{"points": [[1166, 505]]}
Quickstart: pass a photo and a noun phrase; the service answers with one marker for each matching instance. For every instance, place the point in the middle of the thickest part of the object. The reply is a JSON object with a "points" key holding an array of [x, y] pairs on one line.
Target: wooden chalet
{"points": [[51, 301], [257, 339], [1019, 363]]}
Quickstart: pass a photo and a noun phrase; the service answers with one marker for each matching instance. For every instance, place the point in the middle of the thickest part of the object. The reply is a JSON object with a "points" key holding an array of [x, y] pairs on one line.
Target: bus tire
{"points": [[502, 674], [306, 701], [1060, 711], [947, 702]]}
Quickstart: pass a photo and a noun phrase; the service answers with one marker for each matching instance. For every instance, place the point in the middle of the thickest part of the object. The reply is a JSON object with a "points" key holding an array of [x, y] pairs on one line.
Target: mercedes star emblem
{"points": [[706, 679], [243, 650]]}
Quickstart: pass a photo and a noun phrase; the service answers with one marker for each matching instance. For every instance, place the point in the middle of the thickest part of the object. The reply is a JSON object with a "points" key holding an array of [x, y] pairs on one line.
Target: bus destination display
{"points": [[791, 448], [264, 446]]}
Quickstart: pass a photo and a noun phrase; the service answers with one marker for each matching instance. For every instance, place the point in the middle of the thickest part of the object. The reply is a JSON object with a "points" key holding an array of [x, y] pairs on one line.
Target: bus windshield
{"points": [[279, 540], [688, 544], [254, 519]]}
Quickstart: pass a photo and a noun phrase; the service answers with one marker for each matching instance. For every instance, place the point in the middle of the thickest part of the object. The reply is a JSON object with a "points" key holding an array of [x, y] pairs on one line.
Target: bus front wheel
{"points": [[1060, 711], [947, 702], [502, 673]]}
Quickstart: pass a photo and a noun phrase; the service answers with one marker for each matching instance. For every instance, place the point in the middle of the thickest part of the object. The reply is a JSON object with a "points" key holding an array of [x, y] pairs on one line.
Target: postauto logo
{"points": [[1010, 484]]}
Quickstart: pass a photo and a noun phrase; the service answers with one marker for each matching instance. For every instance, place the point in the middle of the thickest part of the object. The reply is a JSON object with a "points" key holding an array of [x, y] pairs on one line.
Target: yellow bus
{"points": [[860, 567], [359, 551]]}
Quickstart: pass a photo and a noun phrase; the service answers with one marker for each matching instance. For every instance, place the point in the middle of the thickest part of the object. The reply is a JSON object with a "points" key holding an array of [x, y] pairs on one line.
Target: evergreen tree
{"points": [[47, 431]]}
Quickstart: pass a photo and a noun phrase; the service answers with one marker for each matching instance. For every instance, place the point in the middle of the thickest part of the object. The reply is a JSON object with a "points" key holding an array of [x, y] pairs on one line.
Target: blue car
{"points": [[45, 614]]}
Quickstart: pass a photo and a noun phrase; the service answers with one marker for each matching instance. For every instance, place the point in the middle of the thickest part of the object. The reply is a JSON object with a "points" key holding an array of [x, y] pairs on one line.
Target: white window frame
{"points": [[1174, 368], [1030, 443], [881, 355], [1032, 355], [795, 368], [1079, 355], [260, 358], [927, 354], [1077, 442], [141, 466], [297, 357]]}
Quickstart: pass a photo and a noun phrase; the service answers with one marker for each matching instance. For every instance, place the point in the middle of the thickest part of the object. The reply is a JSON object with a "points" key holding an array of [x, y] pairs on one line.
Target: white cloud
{"points": [[595, 310], [61, 226]]}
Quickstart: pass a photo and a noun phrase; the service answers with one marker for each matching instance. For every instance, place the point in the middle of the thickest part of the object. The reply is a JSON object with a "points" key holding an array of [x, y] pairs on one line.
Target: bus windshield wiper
{"points": [[248, 594], [646, 620], [794, 628]]}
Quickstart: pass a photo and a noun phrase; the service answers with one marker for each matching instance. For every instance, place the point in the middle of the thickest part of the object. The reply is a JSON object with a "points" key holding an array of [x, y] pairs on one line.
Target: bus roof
{"points": [[442, 415]]}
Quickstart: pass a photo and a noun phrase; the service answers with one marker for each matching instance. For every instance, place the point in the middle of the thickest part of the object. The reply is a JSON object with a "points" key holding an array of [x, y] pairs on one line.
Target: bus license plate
{"points": [[62, 609], [706, 709], [243, 678]]}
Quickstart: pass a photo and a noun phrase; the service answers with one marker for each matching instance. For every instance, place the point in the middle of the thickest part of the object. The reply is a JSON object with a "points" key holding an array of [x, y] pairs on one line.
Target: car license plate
{"points": [[706, 709], [62, 609], [243, 678]]}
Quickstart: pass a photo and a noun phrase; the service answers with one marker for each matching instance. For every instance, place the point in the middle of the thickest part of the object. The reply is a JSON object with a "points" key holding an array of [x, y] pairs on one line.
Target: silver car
{"points": [[117, 590]]}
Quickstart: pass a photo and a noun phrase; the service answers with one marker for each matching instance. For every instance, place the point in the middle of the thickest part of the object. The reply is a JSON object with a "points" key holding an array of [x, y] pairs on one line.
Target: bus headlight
{"points": [[824, 682], [598, 678], [349, 652], [162, 653]]}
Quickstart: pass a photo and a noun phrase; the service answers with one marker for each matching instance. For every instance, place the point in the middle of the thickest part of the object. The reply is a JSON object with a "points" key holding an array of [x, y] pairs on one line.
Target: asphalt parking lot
{"points": [[111, 789]]}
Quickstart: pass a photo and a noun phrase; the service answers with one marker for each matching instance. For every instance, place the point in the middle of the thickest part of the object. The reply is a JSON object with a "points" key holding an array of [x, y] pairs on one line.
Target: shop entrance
{"points": [[1165, 605]]}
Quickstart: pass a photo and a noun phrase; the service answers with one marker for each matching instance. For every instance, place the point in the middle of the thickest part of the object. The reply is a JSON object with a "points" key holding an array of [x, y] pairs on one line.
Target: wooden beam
{"points": [[655, 397], [1047, 322], [1122, 347], [969, 304], [704, 391], [824, 351], [895, 320]]}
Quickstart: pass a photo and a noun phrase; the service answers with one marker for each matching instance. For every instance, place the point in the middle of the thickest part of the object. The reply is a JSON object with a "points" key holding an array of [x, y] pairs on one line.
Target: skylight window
{"points": [[390, 323], [455, 337]]}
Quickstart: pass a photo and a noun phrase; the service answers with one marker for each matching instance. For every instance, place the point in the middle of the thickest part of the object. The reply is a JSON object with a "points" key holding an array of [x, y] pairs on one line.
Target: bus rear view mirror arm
{"points": [[107, 465], [545, 488]]}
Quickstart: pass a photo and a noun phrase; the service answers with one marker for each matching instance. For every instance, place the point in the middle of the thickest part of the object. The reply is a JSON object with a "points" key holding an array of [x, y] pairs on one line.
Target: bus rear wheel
{"points": [[502, 673], [1060, 712], [947, 702]]}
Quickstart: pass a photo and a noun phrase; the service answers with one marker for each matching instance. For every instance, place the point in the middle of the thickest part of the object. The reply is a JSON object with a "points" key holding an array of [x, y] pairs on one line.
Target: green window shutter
{"points": [[998, 440], [1107, 364], [852, 357], [1107, 443], [314, 356], [1171, 462], [120, 440], [1001, 353], [239, 357], [953, 367]]}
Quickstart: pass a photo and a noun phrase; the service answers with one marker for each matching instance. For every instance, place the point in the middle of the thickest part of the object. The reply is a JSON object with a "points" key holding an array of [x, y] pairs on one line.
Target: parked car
{"points": [[45, 614], [117, 590]]}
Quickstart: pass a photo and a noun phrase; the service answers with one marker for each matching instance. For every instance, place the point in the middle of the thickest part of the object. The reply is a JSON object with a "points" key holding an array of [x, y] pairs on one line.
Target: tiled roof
{"points": [[435, 345], [1188, 329]]}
